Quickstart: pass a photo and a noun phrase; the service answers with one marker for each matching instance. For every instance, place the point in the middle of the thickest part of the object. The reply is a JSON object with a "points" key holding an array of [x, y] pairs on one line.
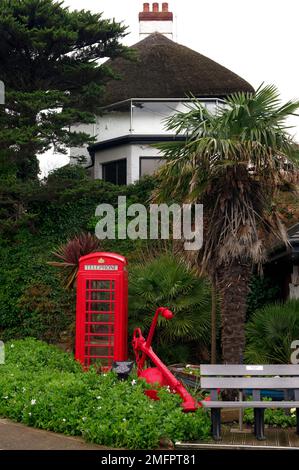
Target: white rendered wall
{"points": [[112, 125], [149, 27], [147, 119], [76, 153], [110, 155], [131, 152]]}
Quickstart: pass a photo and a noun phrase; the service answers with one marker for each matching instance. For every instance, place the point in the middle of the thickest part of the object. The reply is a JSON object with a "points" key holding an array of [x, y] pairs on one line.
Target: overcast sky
{"points": [[257, 39]]}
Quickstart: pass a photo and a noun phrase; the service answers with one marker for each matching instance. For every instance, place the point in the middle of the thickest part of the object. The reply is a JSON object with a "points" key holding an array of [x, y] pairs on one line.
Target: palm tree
{"points": [[270, 333], [232, 161], [165, 279]]}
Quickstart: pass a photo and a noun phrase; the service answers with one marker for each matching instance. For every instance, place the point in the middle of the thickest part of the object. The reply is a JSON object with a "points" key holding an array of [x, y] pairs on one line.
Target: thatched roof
{"points": [[165, 69]]}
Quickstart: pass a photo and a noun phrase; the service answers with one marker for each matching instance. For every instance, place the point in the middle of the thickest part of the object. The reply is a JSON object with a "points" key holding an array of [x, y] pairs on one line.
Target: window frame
{"points": [[147, 158], [116, 162]]}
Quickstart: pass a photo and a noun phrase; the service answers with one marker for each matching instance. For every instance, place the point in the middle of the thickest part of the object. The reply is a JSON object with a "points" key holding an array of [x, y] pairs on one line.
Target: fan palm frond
{"points": [[166, 280], [270, 333]]}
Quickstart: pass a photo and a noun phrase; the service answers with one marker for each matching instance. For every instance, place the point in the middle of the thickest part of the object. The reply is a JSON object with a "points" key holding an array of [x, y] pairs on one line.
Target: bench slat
{"points": [[250, 404], [242, 383], [255, 370]]}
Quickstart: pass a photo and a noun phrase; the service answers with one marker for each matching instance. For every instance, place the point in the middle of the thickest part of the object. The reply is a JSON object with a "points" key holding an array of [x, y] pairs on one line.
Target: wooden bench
{"points": [[249, 377]]}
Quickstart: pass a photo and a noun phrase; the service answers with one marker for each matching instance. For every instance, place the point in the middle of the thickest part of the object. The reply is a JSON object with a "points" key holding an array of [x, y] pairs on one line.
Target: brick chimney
{"points": [[155, 18]]}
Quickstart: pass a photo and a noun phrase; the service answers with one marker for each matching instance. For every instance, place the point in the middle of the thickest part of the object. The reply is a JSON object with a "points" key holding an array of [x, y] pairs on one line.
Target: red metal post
{"points": [[143, 350]]}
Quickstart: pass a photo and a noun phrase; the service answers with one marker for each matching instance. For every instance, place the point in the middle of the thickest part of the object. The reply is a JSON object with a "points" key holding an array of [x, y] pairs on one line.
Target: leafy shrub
{"points": [[68, 173], [34, 219], [271, 332], [276, 418], [43, 387], [46, 313], [32, 302], [262, 292], [167, 281]]}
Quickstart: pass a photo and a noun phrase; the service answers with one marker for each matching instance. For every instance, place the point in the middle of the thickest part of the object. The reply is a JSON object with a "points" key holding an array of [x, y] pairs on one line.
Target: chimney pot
{"points": [[155, 17]]}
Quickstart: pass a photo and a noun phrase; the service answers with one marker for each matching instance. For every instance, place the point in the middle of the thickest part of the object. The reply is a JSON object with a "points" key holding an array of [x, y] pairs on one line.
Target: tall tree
{"points": [[49, 62], [233, 161]]}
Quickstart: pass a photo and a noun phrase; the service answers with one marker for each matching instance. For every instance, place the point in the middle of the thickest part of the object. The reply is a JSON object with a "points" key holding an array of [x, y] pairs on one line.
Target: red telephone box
{"points": [[102, 309]]}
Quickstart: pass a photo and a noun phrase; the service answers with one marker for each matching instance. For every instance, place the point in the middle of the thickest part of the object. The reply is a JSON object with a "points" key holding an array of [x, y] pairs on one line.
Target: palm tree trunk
{"points": [[214, 322], [233, 281]]}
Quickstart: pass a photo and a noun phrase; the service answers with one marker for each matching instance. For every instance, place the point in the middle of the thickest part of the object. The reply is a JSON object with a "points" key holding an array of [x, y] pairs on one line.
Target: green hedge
{"points": [[43, 387], [34, 219]]}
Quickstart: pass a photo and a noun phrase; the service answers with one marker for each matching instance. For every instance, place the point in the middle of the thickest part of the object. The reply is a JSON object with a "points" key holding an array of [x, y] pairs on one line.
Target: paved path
{"points": [[15, 436]]}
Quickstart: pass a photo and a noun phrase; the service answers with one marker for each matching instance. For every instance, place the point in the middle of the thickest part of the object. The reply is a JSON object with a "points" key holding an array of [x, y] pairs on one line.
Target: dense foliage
{"points": [[42, 387], [262, 291], [270, 333], [50, 64], [166, 280], [233, 161], [35, 219], [68, 256], [276, 418]]}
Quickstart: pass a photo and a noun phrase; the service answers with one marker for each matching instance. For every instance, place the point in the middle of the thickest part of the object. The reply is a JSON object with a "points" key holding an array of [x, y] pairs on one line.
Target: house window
{"points": [[149, 165], [115, 172]]}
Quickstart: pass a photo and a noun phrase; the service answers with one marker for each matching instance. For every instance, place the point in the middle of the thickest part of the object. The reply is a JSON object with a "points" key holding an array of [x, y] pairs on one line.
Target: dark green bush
{"points": [[42, 387], [35, 218], [270, 333], [166, 281], [275, 418], [32, 301], [262, 292]]}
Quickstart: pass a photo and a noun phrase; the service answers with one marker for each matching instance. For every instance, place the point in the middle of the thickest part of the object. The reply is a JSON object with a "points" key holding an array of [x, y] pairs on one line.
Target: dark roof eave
{"points": [[133, 139]]}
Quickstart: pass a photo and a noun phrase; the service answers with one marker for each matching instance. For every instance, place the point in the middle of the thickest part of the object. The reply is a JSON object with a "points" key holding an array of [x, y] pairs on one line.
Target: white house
{"points": [[149, 90]]}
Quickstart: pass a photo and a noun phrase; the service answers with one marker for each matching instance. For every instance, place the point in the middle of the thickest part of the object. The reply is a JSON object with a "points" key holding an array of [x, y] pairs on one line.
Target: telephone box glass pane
{"points": [[100, 362], [99, 318]]}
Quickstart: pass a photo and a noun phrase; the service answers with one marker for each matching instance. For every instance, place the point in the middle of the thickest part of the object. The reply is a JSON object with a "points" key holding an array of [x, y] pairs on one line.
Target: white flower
{"points": [[104, 375], [84, 418], [98, 398], [293, 411], [134, 382], [124, 419], [5, 398], [30, 414], [99, 407], [33, 402], [12, 345], [64, 420]]}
